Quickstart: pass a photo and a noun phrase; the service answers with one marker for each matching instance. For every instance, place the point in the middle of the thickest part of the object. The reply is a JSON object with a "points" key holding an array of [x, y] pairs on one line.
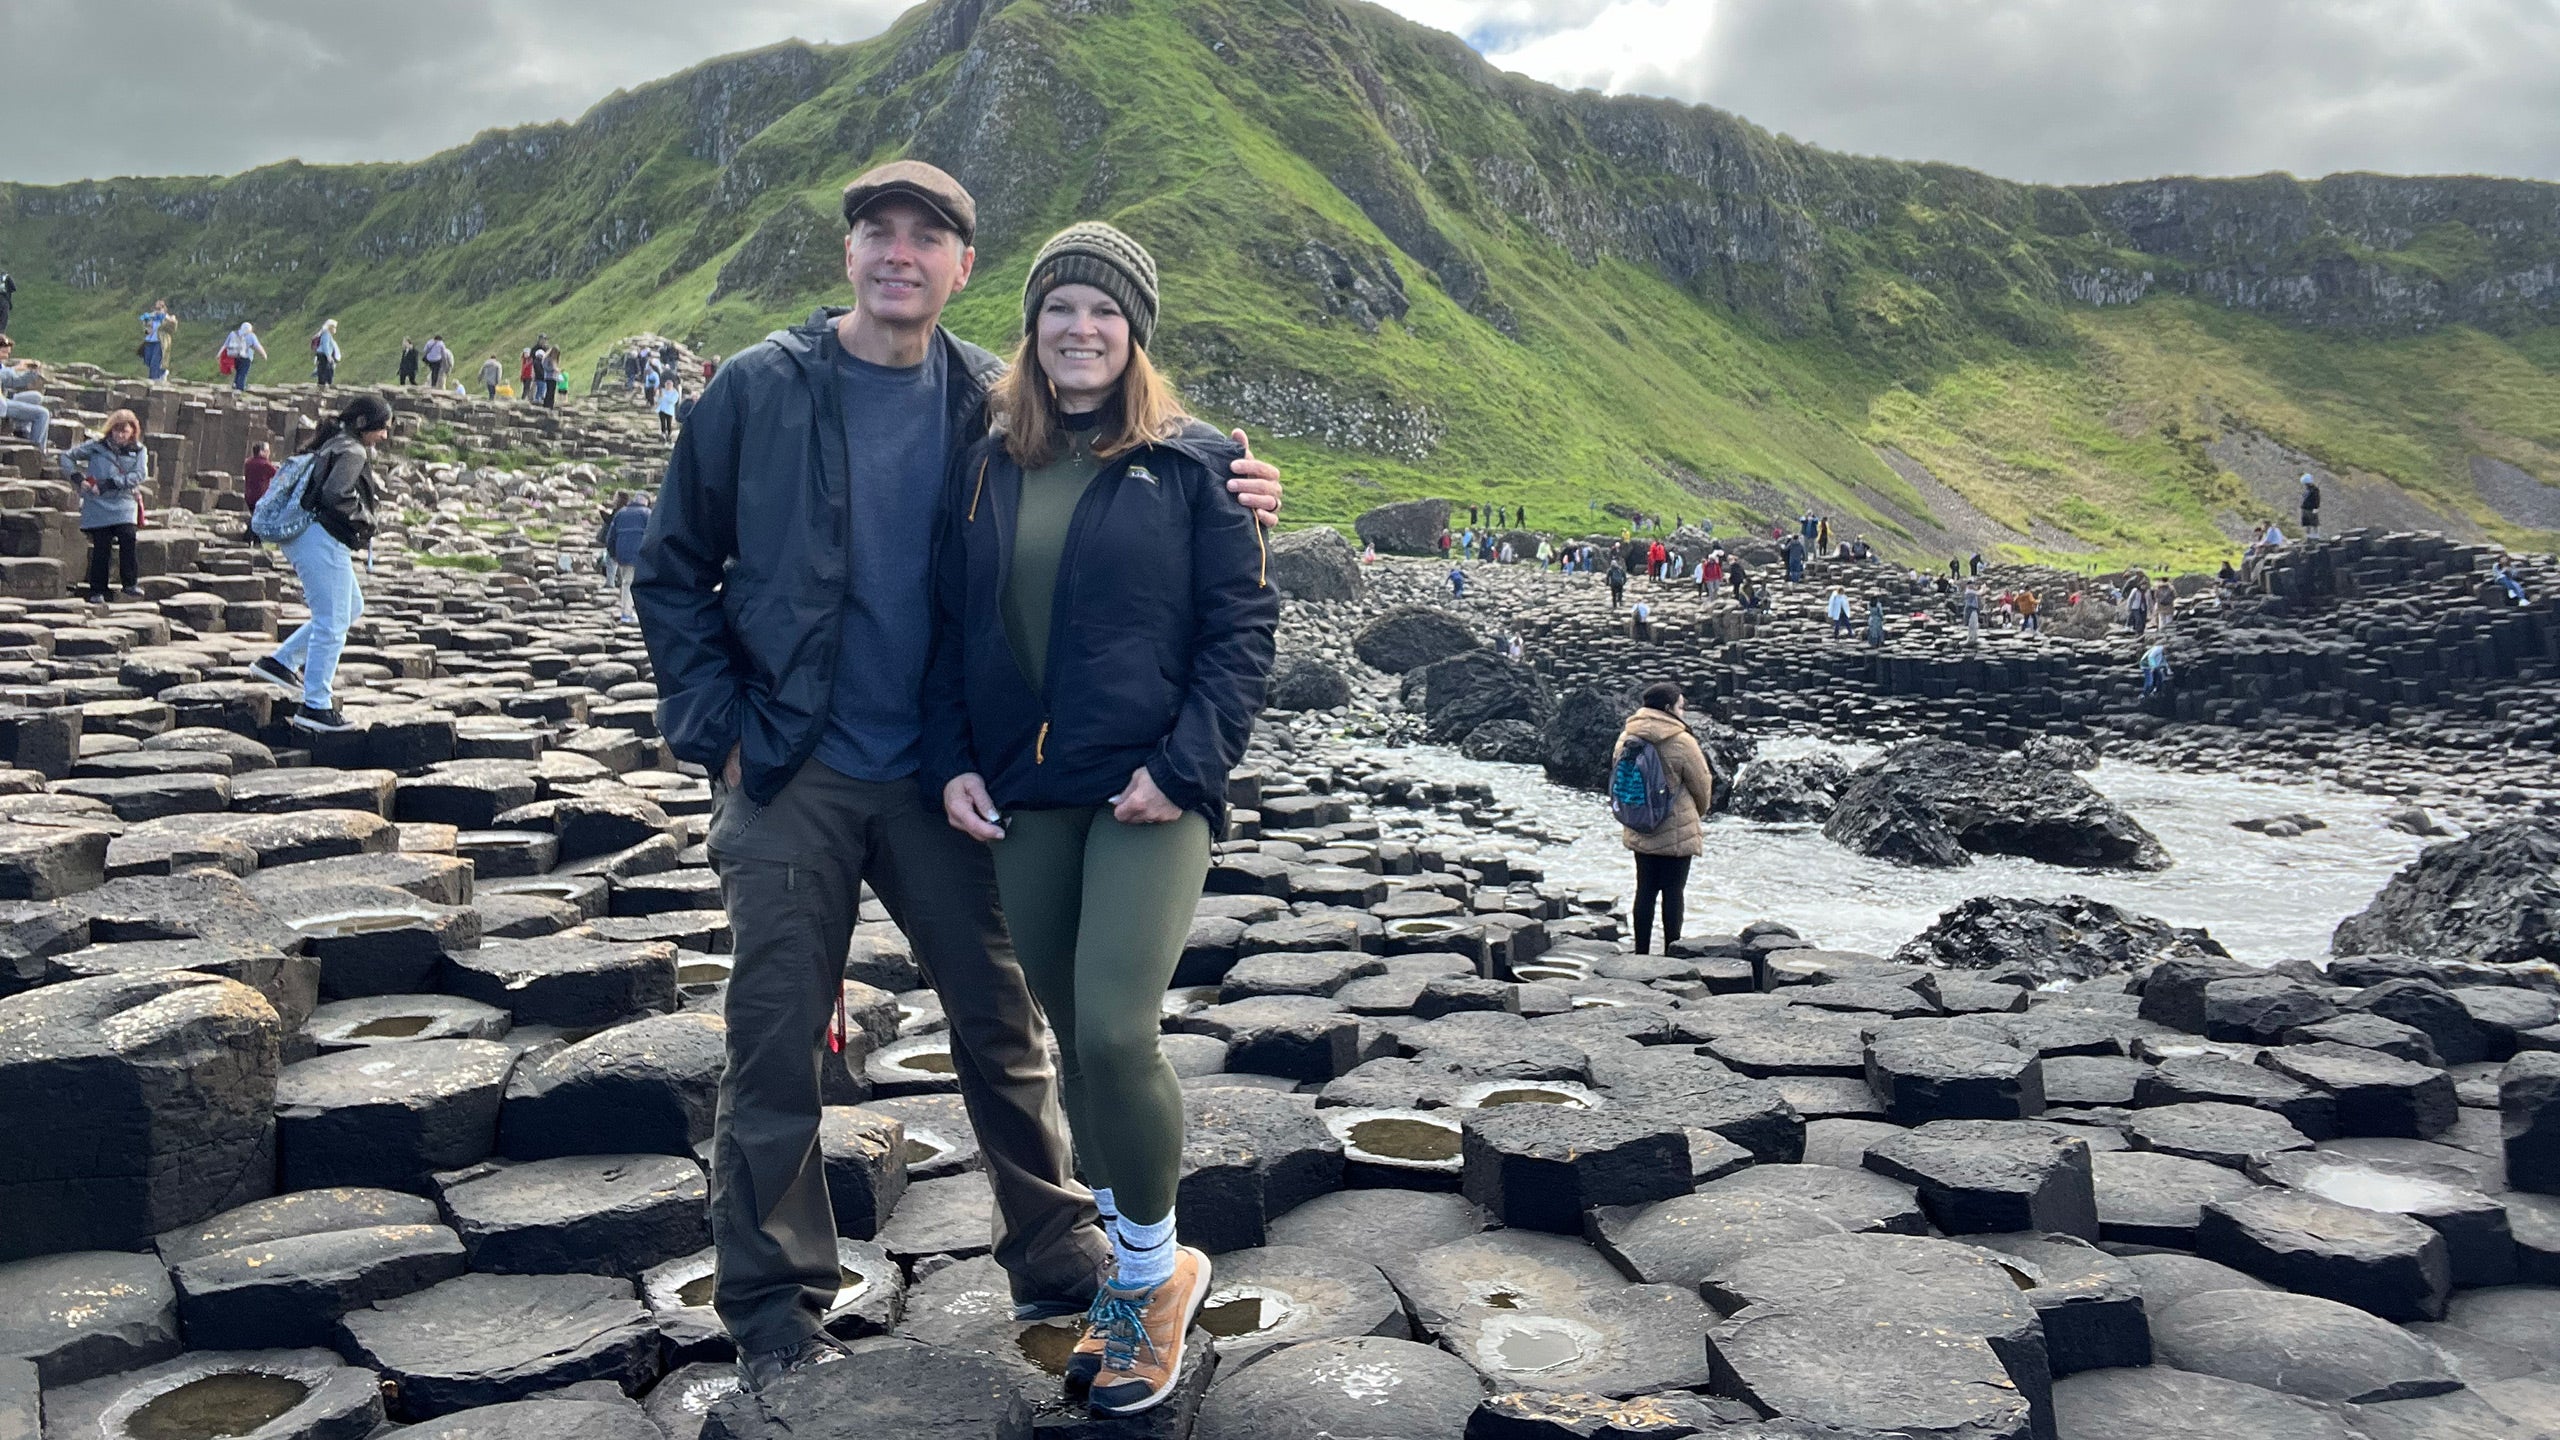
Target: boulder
{"points": [[1996, 803], [1803, 789], [1582, 739], [1317, 564], [1412, 636], [2493, 896], [2037, 942], [1407, 527], [1303, 684], [1467, 691], [132, 1104]]}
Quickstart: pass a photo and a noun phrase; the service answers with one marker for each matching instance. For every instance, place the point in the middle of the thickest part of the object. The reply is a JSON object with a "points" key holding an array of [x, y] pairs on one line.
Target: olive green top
{"points": [[1049, 496]]}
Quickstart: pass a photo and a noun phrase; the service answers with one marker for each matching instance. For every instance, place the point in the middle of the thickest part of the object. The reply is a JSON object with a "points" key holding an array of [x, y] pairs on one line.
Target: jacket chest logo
{"points": [[1141, 472]]}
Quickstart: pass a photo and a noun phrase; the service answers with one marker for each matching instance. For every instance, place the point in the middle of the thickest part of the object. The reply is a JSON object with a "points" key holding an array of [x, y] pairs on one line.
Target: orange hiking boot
{"points": [[1142, 1333]]}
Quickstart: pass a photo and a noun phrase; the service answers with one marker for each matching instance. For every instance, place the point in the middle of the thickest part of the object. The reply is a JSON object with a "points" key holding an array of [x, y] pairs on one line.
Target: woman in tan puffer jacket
{"points": [[1663, 855]]}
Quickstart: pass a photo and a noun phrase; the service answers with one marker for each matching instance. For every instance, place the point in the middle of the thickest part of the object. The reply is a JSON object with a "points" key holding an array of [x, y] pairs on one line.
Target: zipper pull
{"points": [[1040, 745], [839, 1026]]}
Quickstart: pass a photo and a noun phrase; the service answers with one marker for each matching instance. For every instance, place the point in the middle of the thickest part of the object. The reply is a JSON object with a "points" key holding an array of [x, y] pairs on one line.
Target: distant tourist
{"points": [[1875, 621], [1617, 579], [2028, 605], [1972, 607], [1641, 622], [22, 403], [2503, 575], [342, 501], [668, 397], [8, 298], [1660, 790], [623, 531], [242, 347], [490, 374], [1838, 608], [325, 354], [408, 361], [439, 358], [256, 473], [159, 327], [111, 471], [2156, 673], [524, 375], [1458, 581], [2310, 506]]}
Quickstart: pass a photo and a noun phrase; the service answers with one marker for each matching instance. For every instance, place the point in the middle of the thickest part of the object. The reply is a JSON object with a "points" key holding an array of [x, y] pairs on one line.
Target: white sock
{"points": [[1103, 1202], [1145, 1253]]}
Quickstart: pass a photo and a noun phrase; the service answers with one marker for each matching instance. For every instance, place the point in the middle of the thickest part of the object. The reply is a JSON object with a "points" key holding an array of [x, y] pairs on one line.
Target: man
{"points": [[1838, 608], [408, 361], [2310, 505], [158, 325], [789, 624], [490, 374], [1617, 578], [439, 359]]}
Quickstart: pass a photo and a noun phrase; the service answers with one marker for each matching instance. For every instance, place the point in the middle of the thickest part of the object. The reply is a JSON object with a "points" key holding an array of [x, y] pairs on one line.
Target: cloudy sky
{"points": [[2057, 90]]}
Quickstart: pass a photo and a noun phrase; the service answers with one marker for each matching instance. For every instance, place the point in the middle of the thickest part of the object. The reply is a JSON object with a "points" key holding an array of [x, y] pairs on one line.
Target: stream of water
{"points": [[2265, 899]]}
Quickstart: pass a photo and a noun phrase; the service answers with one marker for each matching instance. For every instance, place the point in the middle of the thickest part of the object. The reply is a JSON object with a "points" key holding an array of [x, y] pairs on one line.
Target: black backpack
{"points": [[1639, 790]]}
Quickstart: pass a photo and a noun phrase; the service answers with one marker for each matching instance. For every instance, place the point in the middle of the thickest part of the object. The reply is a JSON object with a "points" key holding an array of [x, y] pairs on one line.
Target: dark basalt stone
{"points": [[389, 1116], [292, 1291], [307, 1394], [1280, 1295], [600, 1214], [2145, 1197], [1539, 1167], [646, 1087], [486, 1339], [1543, 1312], [1681, 1241], [2159, 1402], [1369, 1386], [2035, 942], [2388, 1264], [83, 1314], [2301, 1345], [1992, 1176]]}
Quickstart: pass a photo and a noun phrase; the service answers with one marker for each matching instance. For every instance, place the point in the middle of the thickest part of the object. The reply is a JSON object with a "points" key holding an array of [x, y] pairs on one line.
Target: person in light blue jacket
{"points": [[111, 471], [325, 354]]}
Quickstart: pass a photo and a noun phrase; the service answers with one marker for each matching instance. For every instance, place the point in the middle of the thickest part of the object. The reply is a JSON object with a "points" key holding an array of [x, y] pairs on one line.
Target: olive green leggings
{"points": [[1099, 912]]}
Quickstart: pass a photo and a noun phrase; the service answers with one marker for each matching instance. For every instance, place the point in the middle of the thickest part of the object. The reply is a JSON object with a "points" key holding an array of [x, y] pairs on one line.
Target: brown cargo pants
{"points": [[791, 874]]}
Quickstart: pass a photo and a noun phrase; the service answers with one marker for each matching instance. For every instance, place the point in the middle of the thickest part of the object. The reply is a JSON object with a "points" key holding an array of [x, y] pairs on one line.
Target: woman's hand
{"points": [[1255, 483], [1139, 802], [966, 804]]}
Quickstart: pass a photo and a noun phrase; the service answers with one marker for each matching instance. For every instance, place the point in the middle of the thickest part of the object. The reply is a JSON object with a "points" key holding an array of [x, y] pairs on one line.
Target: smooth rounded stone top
{"points": [[617, 1214], [246, 752], [2526, 1317], [2161, 1402], [2488, 1172], [301, 1212], [487, 1339], [301, 1393], [1377, 1225], [548, 1417], [1867, 1374], [2148, 1198], [1546, 1312], [87, 1313], [392, 1019], [1370, 1387], [1282, 1294], [1681, 1241], [2214, 1131], [2167, 1278], [2389, 1264], [1844, 1142], [2299, 1344], [1908, 1277], [2399, 1187]]}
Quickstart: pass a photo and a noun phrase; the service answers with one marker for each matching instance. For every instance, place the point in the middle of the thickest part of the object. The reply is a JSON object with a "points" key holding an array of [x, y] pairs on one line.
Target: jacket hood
{"points": [[1654, 725], [803, 343]]}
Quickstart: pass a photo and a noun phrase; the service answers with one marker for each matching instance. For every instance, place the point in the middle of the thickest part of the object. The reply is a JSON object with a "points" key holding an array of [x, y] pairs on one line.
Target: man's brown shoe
{"points": [[1141, 1333]]}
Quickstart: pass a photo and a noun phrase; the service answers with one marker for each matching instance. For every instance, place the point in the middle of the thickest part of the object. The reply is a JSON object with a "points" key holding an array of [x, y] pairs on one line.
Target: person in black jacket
{"points": [[1103, 622], [340, 495], [788, 621]]}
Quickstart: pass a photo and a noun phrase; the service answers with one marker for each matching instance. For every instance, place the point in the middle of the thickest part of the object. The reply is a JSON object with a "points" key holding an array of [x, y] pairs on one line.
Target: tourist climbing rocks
{"points": [[2310, 505], [669, 396], [1617, 581], [325, 354], [490, 375], [1085, 703], [110, 472], [2503, 575], [439, 358], [1458, 582], [2028, 606], [2156, 673], [408, 361], [242, 348], [340, 494], [815, 751], [1795, 557], [1640, 625], [1971, 607], [159, 327], [1838, 609], [1686, 793]]}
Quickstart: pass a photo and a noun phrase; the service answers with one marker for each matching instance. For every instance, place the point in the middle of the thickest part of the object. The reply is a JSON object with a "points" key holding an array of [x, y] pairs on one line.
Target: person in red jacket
{"points": [[255, 474], [1654, 558]]}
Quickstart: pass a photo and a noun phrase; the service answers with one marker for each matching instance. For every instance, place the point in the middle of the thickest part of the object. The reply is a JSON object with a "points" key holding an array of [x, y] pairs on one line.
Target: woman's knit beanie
{"points": [[1095, 254]]}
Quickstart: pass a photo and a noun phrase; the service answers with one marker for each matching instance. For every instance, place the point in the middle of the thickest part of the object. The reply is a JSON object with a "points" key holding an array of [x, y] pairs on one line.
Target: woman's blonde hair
{"points": [[1024, 406], [124, 417]]}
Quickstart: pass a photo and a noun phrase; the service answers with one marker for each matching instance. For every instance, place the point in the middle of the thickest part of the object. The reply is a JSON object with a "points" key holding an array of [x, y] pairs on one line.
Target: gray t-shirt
{"points": [[897, 434]]}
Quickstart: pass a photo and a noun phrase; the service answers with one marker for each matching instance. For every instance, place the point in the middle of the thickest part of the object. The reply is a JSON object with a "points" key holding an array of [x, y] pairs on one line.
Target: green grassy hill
{"points": [[1411, 274]]}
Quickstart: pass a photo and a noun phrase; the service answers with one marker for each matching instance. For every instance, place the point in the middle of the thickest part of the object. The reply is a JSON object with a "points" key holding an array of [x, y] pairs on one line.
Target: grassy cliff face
{"points": [[1410, 274]]}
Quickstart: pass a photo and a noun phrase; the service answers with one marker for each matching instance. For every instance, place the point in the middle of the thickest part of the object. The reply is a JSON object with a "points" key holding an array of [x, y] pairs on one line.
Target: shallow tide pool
{"points": [[2264, 899]]}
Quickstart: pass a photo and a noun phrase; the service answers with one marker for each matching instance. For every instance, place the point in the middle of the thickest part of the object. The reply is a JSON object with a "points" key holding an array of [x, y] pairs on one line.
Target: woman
{"points": [[256, 474], [111, 471], [341, 496], [1102, 641], [1664, 852], [245, 348], [325, 354]]}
